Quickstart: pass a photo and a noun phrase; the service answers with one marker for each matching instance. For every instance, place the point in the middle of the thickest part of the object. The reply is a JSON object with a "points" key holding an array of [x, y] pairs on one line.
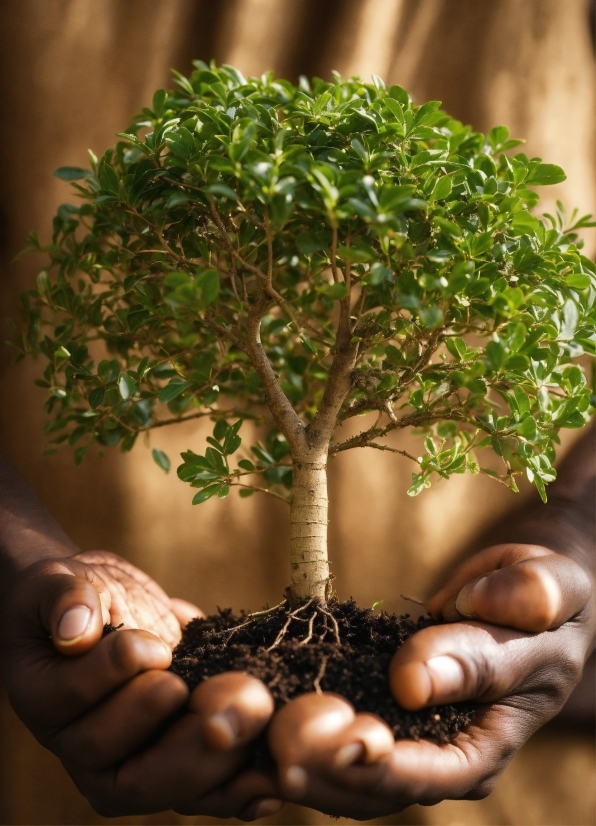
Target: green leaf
{"points": [[308, 345], [126, 385], [205, 494], [334, 291], [96, 397], [546, 174], [208, 284], [245, 464], [527, 429], [220, 430], [578, 281], [442, 189], [161, 459], [223, 189], [173, 389], [159, 100], [72, 173]]}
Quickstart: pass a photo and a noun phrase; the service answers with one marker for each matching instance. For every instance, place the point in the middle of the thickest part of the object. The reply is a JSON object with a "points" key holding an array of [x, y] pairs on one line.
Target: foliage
{"points": [[465, 312]]}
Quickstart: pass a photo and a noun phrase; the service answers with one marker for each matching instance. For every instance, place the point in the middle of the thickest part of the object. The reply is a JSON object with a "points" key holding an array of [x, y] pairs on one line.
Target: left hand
{"points": [[132, 599], [123, 726], [522, 624]]}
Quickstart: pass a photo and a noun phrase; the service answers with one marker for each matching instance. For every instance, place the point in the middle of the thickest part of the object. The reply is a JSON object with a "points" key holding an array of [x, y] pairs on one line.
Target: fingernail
{"points": [[268, 806], [296, 780], [74, 623], [463, 602], [446, 676], [223, 728], [348, 754]]}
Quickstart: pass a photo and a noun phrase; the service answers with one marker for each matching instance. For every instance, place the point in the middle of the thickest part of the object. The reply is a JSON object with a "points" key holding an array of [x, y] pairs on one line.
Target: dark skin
{"points": [[522, 621], [517, 642], [74, 688]]}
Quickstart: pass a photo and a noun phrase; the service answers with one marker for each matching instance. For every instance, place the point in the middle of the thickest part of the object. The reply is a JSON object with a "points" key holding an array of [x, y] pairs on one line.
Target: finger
{"points": [[466, 768], [367, 740], [300, 728], [470, 661], [533, 595], [248, 796], [121, 724], [185, 611], [52, 600], [484, 562], [233, 708], [422, 772], [176, 772], [51, 692]]}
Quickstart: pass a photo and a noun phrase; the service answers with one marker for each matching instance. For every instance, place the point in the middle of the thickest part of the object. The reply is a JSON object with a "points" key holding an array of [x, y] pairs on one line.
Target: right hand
{"points": [[115, 716], [344, 763]]}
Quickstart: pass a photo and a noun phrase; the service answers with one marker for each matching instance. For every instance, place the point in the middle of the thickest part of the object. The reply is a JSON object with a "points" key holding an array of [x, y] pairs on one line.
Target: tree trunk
{"points": [[308, 531]]}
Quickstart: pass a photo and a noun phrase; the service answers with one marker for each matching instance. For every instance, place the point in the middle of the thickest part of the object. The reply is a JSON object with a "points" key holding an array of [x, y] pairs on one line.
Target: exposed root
{"points": [[292, 615], [412, 599], [320, 675], [335, 625], [320, 611], [311, 624], [252, 617], [268, 610]]}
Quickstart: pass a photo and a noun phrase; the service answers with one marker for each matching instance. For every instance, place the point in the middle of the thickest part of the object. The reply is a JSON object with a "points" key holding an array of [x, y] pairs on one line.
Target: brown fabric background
{"points": [[71, 72]]}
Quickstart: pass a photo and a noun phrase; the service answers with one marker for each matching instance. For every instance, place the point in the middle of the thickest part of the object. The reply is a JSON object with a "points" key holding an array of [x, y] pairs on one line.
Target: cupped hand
{"points": [[124, 727], [131, 599], [520, 656]]}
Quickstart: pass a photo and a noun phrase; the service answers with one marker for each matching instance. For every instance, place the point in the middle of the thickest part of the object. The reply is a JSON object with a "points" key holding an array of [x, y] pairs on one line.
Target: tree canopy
{"points": [[314, 219]]}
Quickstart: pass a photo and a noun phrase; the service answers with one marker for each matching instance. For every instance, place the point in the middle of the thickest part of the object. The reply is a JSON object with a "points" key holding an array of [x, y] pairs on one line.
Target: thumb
{"points": [[62, 600], [520, 586], [463, 661]]}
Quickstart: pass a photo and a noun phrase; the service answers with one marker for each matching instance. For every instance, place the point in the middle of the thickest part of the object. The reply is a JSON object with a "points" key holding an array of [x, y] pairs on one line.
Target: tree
{"points": [[300, 256]]}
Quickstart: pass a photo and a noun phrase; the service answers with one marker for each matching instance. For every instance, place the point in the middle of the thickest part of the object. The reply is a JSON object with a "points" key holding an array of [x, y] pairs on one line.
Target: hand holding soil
{"points": [[97, 709], [526, 677]]}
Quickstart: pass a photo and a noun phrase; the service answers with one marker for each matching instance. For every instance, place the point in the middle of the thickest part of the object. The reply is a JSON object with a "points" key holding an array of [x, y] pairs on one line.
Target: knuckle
{"points": [[122, 652], [163, 693]]}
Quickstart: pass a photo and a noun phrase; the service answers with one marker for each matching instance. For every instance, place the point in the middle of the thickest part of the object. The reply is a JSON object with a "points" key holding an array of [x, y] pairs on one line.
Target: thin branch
{"points": [[364, 438], [257, 489], [251, 268], [392, 450], [269, 236], [223, 414], [334, 269], [225, 332]]}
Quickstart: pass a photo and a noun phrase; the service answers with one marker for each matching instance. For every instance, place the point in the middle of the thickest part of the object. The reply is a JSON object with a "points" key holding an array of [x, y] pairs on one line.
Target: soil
{"points": [[336, 647]]}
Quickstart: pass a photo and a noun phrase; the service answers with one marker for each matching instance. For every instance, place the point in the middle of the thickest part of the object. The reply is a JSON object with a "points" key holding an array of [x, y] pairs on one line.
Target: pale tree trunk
{"points": [[308, 531]]}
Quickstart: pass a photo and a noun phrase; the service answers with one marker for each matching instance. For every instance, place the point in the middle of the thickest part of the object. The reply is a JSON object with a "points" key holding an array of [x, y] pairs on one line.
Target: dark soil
{"points": [[300, 653]]}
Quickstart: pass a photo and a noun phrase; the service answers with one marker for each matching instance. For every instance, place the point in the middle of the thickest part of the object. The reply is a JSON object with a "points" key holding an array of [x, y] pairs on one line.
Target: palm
{"points": [[134, 600]]}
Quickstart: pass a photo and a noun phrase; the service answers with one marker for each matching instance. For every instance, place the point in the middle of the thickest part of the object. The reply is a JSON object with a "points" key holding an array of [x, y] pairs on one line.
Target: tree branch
{"points": [[283, 413], [339, 380], [365, 438]]}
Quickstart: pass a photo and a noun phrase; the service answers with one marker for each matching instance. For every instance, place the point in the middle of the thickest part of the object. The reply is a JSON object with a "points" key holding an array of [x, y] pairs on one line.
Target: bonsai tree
{"points": [[298, 256]]}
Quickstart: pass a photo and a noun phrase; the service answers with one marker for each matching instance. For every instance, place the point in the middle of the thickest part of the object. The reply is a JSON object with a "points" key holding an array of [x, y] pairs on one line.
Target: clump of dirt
{"points": [[335, 647]]}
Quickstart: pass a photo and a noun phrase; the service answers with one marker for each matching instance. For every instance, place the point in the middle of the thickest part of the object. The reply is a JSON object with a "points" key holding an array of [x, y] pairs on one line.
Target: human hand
{"points": [[129, 597], [111, 711], [345, 763]]}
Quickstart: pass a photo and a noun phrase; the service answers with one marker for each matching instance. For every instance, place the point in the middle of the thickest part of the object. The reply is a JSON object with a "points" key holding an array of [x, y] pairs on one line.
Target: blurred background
{"points": [[72, 72]]}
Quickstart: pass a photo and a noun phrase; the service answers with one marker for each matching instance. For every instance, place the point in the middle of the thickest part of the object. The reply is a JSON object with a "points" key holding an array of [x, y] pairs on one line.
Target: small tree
{"points": [[300, 256]]}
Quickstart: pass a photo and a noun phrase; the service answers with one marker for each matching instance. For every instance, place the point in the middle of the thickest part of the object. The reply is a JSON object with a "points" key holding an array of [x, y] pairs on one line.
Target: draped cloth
{"points": [[72, 72]]}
